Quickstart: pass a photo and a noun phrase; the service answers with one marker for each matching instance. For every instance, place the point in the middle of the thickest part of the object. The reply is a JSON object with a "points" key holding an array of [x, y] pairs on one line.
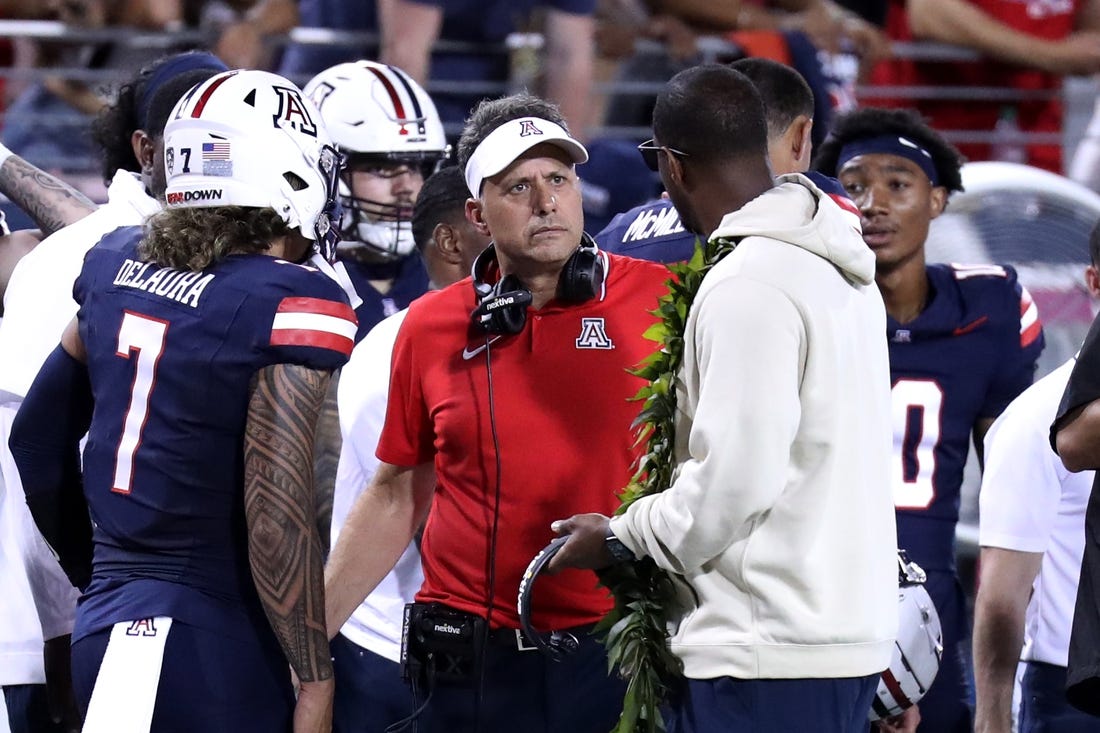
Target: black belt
{"points": [[514, 638]]}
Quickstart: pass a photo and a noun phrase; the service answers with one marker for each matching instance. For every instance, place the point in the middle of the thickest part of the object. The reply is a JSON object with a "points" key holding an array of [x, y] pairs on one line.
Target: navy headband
{"points": [[170, 68], [890, 145]]}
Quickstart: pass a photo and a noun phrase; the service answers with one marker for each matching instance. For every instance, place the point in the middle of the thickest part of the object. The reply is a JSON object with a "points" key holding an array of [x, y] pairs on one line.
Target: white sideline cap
{"points": [[502, 146]]}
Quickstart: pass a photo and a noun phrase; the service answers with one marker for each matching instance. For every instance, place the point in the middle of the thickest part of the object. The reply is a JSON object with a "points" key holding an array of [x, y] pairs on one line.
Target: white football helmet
{"points": [[918, 649], [379, 117], [251, 138]]}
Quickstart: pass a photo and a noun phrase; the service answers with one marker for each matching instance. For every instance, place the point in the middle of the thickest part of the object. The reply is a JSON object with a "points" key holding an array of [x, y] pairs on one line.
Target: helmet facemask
{"points": [[382, 228], [331, 163]]}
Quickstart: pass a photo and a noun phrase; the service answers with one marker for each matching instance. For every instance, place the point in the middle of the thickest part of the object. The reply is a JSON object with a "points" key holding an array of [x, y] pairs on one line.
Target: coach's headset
{"points": [[557, 644], [502, 306]]}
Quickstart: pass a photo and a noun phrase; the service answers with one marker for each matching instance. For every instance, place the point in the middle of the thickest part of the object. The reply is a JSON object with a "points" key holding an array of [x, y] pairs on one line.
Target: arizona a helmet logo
{"points": [[293, 112]]}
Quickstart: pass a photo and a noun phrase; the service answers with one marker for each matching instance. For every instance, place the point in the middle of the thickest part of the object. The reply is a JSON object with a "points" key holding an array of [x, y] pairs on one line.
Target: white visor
{"points": [[502, 146]]}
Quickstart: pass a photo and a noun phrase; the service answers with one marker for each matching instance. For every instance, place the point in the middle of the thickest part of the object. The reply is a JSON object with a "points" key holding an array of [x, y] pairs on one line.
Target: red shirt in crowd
{"points": [[1048, 19]]}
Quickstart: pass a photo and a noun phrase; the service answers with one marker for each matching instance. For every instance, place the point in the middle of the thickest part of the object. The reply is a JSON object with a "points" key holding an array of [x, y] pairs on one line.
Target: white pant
{"points": [[38, 601]]}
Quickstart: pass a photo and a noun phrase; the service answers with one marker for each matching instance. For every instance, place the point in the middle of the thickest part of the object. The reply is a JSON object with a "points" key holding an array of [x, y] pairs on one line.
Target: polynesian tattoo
{"points": [[284, 548]]}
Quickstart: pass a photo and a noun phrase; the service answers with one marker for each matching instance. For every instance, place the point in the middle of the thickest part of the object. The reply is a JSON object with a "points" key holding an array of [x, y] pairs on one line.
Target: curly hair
{"points": [[113, 127], [489, 114], [869, 122], [194, 239]]}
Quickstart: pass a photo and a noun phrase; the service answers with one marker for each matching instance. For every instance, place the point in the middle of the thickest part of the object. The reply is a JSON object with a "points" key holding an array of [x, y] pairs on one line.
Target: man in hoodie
{"points": [[963, 343], [782, 429], [653, 230]]}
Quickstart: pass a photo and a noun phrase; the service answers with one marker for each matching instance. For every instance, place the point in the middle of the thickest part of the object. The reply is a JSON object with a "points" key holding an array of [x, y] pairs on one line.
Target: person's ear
{"points": [[937, 201], [802, 146], [144, 150], [445, 239], [474, 215], [1092, 281], [674, 169]]}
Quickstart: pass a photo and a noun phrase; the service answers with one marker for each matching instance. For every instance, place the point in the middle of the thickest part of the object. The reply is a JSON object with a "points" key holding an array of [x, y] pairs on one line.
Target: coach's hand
{"points": [[587, 545], [313, 713]]}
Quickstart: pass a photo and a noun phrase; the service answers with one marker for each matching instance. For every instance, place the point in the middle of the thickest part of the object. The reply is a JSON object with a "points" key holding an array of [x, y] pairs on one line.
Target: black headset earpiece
{"points": [[582, 275], [501, 307]]}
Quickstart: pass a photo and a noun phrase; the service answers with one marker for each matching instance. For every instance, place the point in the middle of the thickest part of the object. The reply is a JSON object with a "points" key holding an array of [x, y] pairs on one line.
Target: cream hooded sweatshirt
{"points": [[780, 516]]}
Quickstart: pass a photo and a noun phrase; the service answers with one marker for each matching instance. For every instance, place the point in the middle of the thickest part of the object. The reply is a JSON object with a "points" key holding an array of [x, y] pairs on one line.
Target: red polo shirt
{"points": [[561, 402]]}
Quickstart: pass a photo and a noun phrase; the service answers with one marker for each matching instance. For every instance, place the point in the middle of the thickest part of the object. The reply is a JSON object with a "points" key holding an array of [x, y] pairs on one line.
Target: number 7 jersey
{"points": [[969, 353], [171, 357]]}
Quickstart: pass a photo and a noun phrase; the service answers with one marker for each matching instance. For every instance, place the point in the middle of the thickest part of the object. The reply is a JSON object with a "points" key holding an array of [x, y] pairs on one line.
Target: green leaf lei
{"points": [[636, 629]]}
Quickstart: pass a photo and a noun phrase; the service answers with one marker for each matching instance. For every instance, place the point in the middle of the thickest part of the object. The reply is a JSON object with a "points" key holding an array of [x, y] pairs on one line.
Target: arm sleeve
{"points": [[747, 415], [45, 444]]}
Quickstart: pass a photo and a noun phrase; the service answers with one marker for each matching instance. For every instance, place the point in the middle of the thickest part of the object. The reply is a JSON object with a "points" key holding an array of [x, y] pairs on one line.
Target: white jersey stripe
{"points": [[1029, 317], [962, 272], [314, 322]]}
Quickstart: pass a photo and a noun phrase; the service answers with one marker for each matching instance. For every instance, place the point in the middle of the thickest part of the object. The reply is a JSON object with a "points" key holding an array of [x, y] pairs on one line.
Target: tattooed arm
{"points": [[52, 203], [284, 549], [326, 459]]}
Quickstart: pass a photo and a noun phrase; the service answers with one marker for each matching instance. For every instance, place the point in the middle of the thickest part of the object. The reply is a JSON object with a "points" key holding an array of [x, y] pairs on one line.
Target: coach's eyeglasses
{"points": [[649, 150]]}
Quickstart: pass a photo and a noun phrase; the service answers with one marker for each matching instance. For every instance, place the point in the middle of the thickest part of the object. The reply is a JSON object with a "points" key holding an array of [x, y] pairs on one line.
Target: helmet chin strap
{"points": [[339, 274]]}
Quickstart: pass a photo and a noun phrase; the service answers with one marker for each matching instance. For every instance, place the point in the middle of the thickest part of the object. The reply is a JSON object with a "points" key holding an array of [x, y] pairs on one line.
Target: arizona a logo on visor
{"points": [[527, 127]]}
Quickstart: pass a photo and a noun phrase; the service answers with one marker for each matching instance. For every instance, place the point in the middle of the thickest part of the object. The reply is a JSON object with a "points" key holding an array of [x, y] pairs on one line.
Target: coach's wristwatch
{"points": [[619, 551]]}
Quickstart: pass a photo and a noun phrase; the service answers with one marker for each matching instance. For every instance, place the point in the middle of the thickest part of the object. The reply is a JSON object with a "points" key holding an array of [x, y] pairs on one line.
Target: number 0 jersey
{"points": [[965, 357], [171, 356]]}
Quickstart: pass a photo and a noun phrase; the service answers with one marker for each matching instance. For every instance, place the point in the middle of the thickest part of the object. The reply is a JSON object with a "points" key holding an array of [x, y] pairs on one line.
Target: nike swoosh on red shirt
{"points": [[973, 325], [468, 353]]}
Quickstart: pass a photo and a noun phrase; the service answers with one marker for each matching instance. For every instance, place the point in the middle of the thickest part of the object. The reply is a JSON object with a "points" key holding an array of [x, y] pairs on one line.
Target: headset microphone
{"points": [[490, 309]]}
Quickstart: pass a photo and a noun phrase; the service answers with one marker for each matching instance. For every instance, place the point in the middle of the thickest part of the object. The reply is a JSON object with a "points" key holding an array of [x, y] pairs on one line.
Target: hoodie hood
{"points": [[796, 211]]}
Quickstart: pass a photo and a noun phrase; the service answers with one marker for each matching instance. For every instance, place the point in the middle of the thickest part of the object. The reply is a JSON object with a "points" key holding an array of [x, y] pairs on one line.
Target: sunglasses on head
{"points": [[649, 150]]}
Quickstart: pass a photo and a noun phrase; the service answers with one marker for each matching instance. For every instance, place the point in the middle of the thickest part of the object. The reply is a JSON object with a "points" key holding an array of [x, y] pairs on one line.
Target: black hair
{"points": [[869, 122], [442, 198], [784, 91], [167, 95], [711, 113], [489, 114], [114, 125]]}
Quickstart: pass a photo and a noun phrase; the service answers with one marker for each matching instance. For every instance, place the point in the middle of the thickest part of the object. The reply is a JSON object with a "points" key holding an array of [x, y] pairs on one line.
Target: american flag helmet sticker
{"points": [[216, 160]]}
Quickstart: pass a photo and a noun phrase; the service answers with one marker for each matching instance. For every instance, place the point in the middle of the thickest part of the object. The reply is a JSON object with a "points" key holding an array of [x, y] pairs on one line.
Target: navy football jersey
{"points": [[171, 357], [965, 357], [654, 232], [410, 281], [648, 232]]}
